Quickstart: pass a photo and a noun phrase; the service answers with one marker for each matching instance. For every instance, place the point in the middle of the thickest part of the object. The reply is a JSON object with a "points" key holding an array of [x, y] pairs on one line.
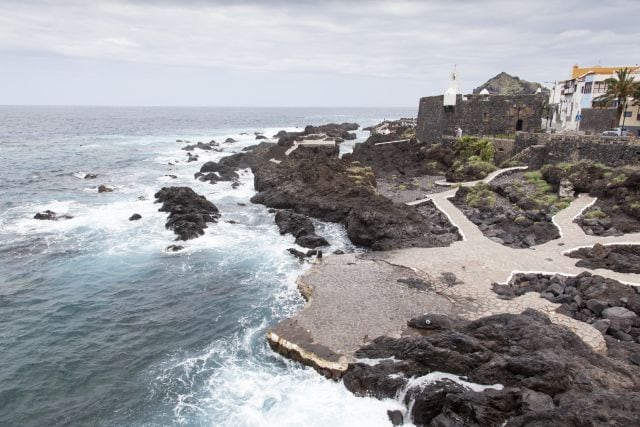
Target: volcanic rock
{"points": [[535, 371], [189, 212], [49, 215], [300, 227]]}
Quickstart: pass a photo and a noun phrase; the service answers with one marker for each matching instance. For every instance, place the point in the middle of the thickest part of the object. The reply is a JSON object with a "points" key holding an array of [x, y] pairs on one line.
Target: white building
{"points": [[577, 93]]}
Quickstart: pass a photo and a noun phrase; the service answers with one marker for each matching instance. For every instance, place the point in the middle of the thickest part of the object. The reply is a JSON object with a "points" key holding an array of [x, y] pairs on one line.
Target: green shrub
{"points": [[481, 196], [595, 214], [468, 146], [472, 169]]}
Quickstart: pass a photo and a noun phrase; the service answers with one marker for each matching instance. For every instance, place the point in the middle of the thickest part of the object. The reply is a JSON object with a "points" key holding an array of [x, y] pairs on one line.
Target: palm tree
{"points": [[618, 89]]}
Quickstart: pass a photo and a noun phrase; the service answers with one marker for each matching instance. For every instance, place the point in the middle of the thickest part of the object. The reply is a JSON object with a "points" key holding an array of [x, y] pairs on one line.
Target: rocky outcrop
{"points": [[49, 215], [206, 146], [402, 159], [620, 258], [104, 189], [506, 369], [609, 306], [301, 228], [506, 84], [135, 217], [334, 190], [315, 183], [215, 172], [331, 131], [189, 212], [334, 130], [226, 169]]}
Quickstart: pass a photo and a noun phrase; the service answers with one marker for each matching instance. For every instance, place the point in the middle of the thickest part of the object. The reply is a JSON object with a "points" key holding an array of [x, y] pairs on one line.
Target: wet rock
{"points": [[259, 136], [215, 172], [395, 417], [49, 215], [135, 217], [90, 176], [338, 252], [189, 212], [174, 248], [104, 189], [301, 255], [202, 146], [311, 241], [300, 227], [546, 371], [171, 176], [289, 222], [429, 399]]}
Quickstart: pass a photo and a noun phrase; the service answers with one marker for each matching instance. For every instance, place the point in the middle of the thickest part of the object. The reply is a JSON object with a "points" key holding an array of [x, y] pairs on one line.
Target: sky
{"points": [[296, 53]]}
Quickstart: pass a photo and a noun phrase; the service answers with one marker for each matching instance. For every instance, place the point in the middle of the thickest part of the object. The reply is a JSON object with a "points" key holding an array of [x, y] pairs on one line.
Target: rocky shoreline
{"points": [[529, 351]]}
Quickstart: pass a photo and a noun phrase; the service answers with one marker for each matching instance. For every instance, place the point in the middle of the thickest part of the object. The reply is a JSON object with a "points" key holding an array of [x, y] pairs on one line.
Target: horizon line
{"points": [[204, 106]]}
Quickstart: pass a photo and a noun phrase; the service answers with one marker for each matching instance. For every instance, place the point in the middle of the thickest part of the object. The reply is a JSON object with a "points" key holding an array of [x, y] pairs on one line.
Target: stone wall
{"points": [[478, 115], [598, 120], [538, 149]]}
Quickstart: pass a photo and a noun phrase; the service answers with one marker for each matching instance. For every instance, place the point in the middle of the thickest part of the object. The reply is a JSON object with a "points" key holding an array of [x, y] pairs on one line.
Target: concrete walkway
{"points": [[354, 299]]}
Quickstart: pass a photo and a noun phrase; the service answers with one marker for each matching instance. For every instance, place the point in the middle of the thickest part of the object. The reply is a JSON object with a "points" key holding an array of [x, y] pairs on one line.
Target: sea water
{"points": [[100, 325]]}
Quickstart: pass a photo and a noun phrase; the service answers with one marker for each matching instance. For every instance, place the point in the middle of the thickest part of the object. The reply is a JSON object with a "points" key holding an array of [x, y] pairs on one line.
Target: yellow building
{"points": [[578, 71]]}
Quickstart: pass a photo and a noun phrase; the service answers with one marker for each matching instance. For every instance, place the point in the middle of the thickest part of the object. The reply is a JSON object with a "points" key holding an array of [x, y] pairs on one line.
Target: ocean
{"points": [[100, 325]]}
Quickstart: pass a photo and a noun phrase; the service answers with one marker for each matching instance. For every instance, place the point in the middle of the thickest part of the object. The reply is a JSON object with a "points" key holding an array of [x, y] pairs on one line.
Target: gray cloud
{"points": [[404, 44]]}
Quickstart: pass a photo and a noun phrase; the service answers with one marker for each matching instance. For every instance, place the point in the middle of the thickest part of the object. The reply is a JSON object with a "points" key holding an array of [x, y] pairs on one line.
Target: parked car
{"points": [[616, 132]]}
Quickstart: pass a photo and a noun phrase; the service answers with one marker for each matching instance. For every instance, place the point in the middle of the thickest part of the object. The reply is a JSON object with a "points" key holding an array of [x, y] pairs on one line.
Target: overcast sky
{"points": [[296, 53]]}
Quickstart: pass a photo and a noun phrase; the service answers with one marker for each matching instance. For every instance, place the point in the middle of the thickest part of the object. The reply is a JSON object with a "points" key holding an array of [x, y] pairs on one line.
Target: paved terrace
{"points": [[353, 299]]}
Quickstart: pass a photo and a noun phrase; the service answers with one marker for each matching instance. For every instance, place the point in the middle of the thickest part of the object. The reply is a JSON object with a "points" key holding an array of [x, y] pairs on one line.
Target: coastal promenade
{"points": [[355, 298]]}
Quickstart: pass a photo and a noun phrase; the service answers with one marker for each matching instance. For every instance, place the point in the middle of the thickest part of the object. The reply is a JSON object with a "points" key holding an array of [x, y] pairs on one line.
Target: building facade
{"points": [[573, 99]]}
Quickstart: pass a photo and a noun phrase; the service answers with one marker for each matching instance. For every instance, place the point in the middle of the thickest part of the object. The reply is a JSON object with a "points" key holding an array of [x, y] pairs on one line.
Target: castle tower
{"points": [[452, 91]]}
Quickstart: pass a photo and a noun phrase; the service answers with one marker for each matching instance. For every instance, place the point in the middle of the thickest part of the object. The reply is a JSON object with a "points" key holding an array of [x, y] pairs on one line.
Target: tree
{"points": [[619, 89]]}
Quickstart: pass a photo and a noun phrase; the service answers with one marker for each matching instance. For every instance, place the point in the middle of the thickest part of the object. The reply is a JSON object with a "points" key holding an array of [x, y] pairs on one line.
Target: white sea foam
{"points": [[432, 377]]}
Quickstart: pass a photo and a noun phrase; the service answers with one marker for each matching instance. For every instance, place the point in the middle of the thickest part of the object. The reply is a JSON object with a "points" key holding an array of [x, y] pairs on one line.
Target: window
{"points": [[587, 87], [485, 117], [599, 87], [627, 113]]}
